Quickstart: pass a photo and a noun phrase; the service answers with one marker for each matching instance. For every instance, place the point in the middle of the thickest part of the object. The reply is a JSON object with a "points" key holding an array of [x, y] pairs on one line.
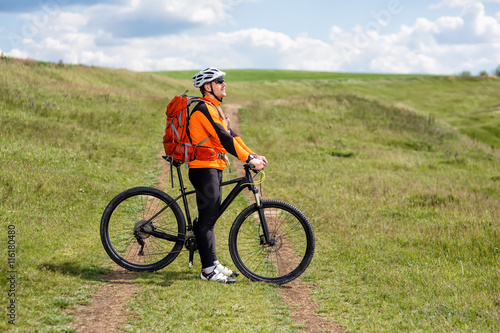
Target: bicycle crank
{"points": [[191, 245]]}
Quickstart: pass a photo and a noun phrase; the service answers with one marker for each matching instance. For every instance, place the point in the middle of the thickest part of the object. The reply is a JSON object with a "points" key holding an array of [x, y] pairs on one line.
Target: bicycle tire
{"points": [[282, 262], [123, 216]]}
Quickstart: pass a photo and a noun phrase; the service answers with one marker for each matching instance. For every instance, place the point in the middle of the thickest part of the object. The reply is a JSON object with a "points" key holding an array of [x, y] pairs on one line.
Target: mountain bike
{"points": [[144, 229]]}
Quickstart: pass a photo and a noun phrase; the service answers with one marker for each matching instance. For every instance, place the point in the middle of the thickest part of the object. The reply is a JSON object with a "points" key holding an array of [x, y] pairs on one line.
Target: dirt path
{"points": [[108, 310]]}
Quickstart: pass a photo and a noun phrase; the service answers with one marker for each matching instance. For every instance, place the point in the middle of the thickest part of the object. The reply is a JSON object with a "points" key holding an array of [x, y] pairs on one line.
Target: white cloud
{"points": [[461, 3], [446, 45], [481, 24], [158, 17], [447, 23]]}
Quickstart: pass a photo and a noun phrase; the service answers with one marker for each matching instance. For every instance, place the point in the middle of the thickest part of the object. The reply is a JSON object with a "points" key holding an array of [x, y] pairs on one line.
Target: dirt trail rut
{"points": [[108, 310]]}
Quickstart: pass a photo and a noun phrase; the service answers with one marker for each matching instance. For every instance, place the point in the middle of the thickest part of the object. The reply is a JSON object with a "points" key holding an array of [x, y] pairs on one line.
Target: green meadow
{"points": [[398, 174]]}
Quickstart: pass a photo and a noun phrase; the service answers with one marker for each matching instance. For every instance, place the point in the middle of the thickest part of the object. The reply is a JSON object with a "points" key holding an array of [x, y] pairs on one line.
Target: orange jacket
{"points": [[209, 121]]}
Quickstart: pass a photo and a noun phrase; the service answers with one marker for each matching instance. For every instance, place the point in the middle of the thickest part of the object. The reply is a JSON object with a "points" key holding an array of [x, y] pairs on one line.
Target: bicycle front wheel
{"points": [[130, 219], [289, 254]]}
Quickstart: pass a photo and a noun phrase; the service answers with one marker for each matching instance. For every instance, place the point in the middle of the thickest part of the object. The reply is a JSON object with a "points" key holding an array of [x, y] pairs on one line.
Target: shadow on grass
{"points": [[86, 272], [164, 278], [117, 275]]}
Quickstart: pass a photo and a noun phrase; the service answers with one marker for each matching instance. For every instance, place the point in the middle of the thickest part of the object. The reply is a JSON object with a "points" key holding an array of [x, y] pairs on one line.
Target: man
{"points": [[210, 126]]}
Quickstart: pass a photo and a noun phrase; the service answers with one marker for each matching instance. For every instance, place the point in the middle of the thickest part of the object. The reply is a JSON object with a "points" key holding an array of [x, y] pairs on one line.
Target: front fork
{"points": [[266, 238]]}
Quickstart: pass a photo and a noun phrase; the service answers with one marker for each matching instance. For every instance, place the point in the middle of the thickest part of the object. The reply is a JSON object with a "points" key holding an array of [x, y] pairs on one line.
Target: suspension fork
{"points": [[262, 216]]}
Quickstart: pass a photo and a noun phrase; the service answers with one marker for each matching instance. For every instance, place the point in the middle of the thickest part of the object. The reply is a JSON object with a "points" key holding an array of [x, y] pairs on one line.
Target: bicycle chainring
{"points": [[190, 243]]}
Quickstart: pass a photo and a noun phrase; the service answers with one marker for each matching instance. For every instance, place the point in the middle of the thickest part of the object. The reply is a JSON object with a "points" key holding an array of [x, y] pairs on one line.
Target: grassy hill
{"points": [[470, 104], [405, 206], [263, 75]]}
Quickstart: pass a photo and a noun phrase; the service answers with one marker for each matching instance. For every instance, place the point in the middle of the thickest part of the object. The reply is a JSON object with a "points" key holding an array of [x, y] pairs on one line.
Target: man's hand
{"points": [[257, 163]]}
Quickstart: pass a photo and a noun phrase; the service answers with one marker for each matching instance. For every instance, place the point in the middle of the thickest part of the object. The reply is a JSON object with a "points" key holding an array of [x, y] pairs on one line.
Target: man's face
{"points": [[219, 89]]}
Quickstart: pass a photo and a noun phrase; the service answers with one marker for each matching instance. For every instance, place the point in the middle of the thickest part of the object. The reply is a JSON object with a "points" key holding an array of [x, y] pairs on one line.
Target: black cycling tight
{"points": [[207, 183]]}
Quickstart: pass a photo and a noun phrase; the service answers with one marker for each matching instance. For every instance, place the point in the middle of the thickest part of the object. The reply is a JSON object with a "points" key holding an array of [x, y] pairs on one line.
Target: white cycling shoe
{"points": [[226, 271], [217, 276]]}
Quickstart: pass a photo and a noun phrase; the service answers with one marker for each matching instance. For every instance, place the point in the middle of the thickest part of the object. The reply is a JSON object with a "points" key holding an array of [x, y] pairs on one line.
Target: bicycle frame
{"points": [[241, 184]]}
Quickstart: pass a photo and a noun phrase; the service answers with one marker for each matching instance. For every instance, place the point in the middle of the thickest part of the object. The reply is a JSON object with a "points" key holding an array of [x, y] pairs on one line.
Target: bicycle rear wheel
{"points": [[125, 225], [291, 252]]}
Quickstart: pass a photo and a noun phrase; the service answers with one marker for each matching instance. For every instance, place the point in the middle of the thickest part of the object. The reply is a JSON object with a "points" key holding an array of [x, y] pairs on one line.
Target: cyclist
{"points": [[208, 122]]}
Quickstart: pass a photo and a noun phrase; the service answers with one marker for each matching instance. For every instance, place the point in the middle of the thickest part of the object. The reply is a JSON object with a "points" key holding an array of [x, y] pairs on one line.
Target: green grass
{"points": [[469, 105], [259, 75], [406, 215], [405, 207]]}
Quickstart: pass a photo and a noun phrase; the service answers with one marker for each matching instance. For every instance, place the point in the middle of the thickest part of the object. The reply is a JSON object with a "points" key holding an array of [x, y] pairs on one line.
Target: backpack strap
{"points": [[222, 115], [174, 130], [186, 152], [192, 100], [199, 143]]}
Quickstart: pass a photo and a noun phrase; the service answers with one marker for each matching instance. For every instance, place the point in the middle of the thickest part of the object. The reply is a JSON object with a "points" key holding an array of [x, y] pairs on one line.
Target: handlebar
{"points": [[250, 166]]}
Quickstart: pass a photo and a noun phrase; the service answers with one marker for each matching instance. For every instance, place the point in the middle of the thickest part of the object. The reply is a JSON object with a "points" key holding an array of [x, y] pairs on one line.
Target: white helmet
{"points": [[206, 75]]}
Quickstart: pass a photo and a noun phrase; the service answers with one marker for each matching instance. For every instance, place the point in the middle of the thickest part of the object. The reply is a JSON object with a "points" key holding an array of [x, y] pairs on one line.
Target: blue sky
{"points": [[379, 36]]}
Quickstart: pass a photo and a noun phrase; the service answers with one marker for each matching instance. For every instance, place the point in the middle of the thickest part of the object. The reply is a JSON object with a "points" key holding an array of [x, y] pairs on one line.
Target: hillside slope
{"points": [[405, 208]]}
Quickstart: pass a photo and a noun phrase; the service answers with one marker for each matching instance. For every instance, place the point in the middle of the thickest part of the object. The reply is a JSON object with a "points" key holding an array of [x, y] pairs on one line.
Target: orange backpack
{"points": [[176, 141]]}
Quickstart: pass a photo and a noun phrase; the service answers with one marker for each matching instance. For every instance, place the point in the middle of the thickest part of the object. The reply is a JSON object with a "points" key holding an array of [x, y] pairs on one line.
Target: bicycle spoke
{"points": [[126, 225], [291, 243]]}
